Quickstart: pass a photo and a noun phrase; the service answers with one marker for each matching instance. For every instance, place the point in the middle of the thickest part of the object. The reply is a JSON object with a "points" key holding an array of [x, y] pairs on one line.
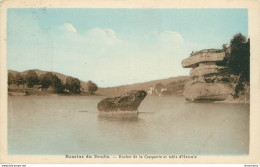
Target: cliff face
{"points": [[208, 80]]}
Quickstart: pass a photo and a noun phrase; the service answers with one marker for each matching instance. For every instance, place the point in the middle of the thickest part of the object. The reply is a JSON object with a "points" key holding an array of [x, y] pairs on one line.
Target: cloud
{"points": [[100, 36], [103, 33], [166, 39], [154, 55], [171, 36], [69, 27], [100, 54]]}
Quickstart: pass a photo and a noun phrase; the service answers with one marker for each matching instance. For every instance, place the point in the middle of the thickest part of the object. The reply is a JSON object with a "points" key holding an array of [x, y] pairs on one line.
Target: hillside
{"points": [[177, 82], [174, 85], [40, 72]]}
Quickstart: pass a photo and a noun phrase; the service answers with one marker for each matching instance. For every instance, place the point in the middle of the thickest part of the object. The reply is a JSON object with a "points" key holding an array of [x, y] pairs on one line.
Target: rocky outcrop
{"points": [[203, 56], [207, 91], [127, 102], [209, 81]]}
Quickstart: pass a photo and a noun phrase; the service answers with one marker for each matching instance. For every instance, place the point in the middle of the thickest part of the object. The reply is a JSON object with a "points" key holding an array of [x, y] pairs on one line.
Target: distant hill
{"points": [[40, 72], [174, 84]]}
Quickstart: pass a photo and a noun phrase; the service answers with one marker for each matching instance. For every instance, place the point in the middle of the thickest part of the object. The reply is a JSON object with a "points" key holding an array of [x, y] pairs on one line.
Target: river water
{"points": [[164, 126]]}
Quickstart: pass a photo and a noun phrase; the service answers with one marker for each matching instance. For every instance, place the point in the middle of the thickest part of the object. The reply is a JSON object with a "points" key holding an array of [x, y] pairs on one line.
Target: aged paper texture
{"points": [[156, 46]]}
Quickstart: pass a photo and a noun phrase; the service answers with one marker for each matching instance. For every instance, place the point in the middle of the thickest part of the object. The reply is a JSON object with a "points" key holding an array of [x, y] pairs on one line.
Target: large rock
{"points": [[127, 102], [209, 80], [207, 91]]}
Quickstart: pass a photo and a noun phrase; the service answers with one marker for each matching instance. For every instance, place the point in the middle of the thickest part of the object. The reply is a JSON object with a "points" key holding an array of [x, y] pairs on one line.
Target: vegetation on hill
{"points": [[37, 82], [31, 78], [43, 83], [169, 86], [92, 87], [72, 85]]}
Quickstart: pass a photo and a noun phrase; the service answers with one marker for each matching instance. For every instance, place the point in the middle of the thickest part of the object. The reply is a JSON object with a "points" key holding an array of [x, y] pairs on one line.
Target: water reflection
{"points": [[114, 117]]}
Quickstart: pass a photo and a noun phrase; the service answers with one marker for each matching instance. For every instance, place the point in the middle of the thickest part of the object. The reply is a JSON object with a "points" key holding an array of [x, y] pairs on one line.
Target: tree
{"points": [[19, 80], [31, 78], [57, 84], [224, 46], [73, 85], [49, 79], [92, 87], [45, 80], [238, 60], [11, 79]]}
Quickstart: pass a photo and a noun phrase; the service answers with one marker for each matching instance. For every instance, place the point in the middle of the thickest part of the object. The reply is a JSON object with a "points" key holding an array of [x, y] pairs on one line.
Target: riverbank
{"points": [[35, 92], [240, 100]]}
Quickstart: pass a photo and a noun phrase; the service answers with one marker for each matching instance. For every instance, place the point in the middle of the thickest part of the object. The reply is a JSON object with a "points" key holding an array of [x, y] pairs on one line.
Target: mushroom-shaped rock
{"points": [[127, 102], [209, 80]]}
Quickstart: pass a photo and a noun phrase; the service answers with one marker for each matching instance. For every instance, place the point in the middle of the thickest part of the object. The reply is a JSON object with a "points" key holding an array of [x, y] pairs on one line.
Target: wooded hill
{"points": [[45, 82]]}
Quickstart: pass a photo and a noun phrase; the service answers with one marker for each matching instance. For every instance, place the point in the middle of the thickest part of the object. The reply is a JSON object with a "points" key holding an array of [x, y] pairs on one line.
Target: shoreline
{"points": [[227, 101], [11, 94], [234, 101]]}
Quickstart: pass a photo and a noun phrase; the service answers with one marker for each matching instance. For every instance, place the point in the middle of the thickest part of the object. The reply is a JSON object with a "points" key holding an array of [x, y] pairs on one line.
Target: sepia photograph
{"points": [[128, 83]]}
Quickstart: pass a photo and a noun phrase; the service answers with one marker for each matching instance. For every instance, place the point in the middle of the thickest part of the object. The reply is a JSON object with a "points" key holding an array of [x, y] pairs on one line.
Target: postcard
{"points": [[130, 82]]}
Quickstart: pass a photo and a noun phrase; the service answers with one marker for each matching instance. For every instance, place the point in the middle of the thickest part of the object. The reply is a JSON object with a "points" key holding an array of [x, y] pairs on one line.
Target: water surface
{"points": [[165, 125]]}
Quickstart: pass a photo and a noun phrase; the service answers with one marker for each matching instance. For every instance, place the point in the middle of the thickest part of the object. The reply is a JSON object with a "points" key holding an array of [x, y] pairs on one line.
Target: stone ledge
{"points": [[194, 61], [203, 70]]}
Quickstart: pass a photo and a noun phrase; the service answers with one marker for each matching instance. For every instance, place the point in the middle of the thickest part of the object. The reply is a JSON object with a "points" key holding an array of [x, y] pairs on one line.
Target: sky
{"points": [[115, 47]]}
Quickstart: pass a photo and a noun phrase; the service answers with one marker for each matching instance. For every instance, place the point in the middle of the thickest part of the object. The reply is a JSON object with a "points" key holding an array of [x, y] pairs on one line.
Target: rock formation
{"points": [[209, 81], [127, 102]]}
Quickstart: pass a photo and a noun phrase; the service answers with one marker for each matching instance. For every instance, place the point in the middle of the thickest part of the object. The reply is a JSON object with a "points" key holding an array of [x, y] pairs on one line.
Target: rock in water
{"points": [[128, 101]]}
